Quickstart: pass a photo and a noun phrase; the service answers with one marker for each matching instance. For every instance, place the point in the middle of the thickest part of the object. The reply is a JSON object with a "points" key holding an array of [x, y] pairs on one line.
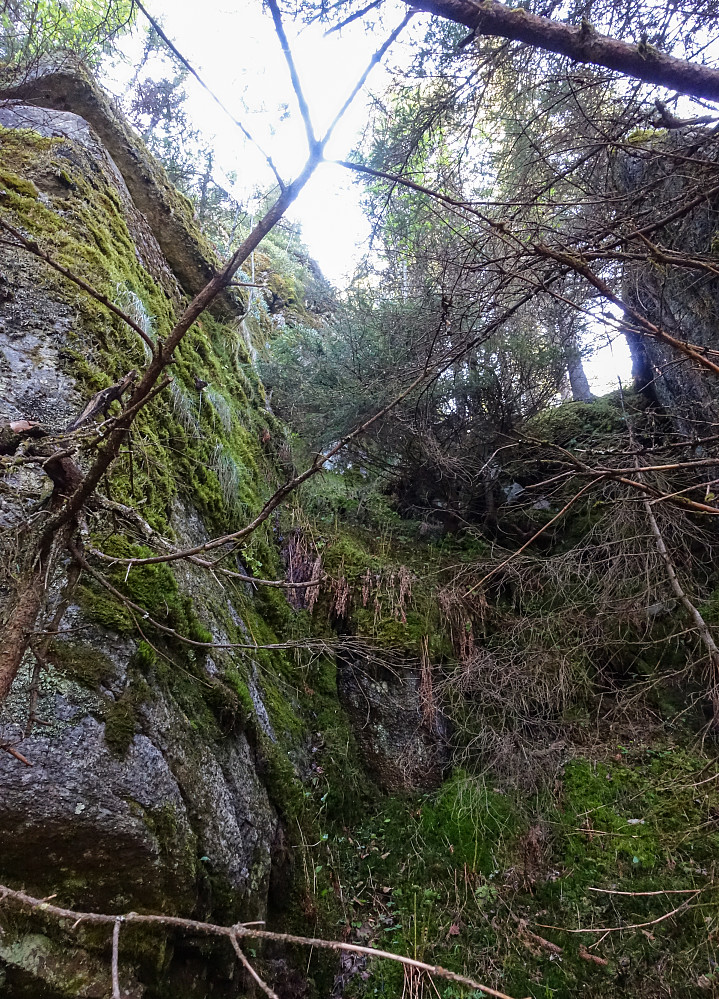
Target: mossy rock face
{"points": [[579, 422], [170, 214], [32, 960], [384, 708]]}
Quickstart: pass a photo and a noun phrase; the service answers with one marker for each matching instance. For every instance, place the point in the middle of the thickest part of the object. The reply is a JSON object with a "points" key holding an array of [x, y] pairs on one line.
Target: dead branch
{"points": [[578, 265], [102, 400], [695, 614], [294, 76], [246, 964], [633, 894], [13, 752], [289, 487], [193, 72], [631, 926], [240, 930], [116, 994]]}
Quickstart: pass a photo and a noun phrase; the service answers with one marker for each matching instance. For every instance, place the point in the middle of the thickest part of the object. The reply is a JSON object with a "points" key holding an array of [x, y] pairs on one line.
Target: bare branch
{"points": [[246, 964], [354, 16], [632, 926], [534, 537], [377, 57], [294, 76], [178, 55], [645, 326], [239, 930], [284, 491], [116, 994]]}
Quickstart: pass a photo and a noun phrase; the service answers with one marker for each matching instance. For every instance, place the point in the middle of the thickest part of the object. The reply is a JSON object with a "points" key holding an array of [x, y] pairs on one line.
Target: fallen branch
{"points": [[631, 926], [239, 930], [116, 994], [251, 971]]}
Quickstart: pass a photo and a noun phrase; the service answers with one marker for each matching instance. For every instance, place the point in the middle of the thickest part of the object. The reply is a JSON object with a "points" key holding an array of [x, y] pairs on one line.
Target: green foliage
{"points": [[31, 30]]}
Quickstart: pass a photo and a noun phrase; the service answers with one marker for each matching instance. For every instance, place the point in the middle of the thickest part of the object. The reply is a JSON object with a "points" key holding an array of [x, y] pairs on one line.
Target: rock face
{"points": [[141, 770], [139, 790], [397, 747], [66, 87]]}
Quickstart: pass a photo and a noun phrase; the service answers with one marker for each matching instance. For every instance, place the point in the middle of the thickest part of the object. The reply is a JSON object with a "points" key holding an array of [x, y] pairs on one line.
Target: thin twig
{"points": [[116, 959], [534, 537], [631, 926], [246, 964], [665, 891]]}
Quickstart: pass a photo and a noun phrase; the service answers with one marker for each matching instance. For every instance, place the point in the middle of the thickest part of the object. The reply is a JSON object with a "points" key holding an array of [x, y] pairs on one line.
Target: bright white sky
{"points": [[238, 55], [234, 48]]}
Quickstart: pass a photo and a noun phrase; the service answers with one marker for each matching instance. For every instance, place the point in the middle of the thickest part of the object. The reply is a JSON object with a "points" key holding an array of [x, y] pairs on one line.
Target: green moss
{"points": [[21, 185], [640, 136], [244, 698], [103, 609], [346, 556], [80, 662], [284, 787], [573, 422], [145, 657], [391, 633], [120, 723], [122, 715]]}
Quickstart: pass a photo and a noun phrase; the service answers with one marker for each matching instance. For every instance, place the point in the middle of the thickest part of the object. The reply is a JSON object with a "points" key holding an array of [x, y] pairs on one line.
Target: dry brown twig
{"points": [[231, 933], [632, 926]]}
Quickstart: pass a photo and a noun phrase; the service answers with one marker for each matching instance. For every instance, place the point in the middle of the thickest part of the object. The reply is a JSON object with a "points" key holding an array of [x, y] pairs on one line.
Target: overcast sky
{"points": [[234, 48], [237, 53]]}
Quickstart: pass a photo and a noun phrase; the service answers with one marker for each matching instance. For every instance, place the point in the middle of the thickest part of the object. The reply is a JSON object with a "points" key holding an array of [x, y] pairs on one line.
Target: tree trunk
{"points": [[581, 391], [580, 43]]}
